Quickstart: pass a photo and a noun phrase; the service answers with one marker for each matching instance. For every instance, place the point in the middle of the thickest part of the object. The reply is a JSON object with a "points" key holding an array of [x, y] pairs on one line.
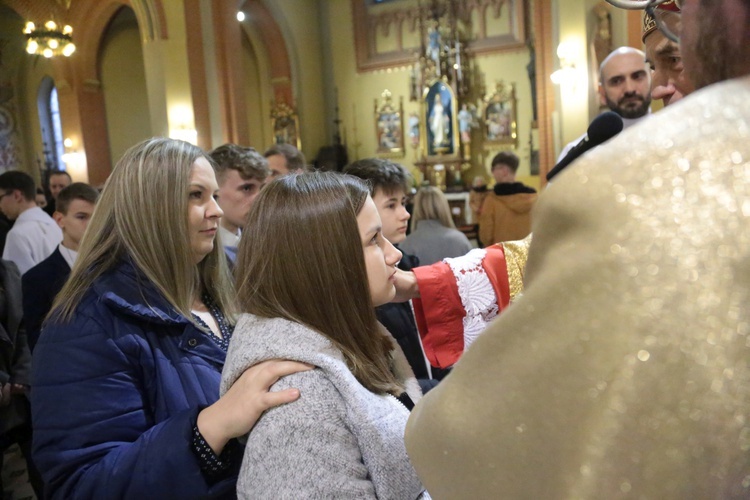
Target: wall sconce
{"points": [[75, 162], [567, 75], [185, 134], [181, 124]]}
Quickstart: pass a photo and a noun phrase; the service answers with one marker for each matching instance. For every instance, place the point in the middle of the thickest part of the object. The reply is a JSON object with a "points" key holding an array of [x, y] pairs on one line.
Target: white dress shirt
{"points": [[33, 238], [228, 238], [68, 254]]}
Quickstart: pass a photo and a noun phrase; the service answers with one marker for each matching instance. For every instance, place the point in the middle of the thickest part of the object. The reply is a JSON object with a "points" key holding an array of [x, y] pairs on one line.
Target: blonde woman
{"points": [[125, 383], [312, 267], [435, 236]]}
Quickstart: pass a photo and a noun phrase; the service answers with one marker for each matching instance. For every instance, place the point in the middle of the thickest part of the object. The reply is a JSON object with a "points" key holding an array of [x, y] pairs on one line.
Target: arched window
{"points": [[51, 126]]}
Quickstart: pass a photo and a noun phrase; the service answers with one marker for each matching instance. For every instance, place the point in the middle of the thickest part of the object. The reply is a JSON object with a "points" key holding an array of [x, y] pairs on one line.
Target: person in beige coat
{"points": [[506, 212], [622, 371]]}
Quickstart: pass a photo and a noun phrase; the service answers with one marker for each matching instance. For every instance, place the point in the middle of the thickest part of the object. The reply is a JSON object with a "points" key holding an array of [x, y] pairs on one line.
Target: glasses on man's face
{"points": [[660, 24], [650, 6]]}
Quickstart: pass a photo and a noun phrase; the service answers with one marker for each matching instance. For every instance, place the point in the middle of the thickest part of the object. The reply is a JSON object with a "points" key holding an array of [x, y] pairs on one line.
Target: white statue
{"points": [[439, 123], [434, 42], [465, 123]]}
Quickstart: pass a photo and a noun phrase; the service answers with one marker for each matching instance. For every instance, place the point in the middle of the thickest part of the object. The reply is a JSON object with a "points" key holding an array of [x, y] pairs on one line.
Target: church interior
{"points": [[340, 79], [437, 86]]}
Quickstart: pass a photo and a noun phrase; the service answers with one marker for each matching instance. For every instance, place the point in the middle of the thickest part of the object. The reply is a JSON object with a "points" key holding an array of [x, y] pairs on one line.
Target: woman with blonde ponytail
{"points": [[125, 396]]}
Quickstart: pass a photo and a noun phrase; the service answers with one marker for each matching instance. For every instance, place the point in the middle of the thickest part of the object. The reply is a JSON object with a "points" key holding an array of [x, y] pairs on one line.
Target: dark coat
{"points": [[41, 284], [15, 359], [398, 319], [116, 392]]}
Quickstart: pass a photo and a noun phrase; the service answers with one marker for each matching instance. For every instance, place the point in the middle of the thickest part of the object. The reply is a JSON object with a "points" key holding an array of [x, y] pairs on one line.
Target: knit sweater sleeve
{"points": [[304, 449]]}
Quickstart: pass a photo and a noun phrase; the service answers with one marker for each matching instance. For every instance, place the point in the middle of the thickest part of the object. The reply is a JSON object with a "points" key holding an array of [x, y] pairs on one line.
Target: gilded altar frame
{"points": [[389, 126], [439, 113], [500, 127], [285, 125]]}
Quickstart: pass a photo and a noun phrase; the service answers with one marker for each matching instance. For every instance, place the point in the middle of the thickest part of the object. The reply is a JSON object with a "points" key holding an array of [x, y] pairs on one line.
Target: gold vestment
{"points": [[624, 369]]}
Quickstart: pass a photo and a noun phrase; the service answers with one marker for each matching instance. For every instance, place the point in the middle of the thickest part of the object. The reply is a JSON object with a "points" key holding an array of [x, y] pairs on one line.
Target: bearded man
{"points": [[624, 87]]}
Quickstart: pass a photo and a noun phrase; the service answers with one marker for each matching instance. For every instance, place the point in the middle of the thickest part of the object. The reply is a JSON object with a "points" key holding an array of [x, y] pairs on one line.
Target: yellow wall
{"points": [[511, 67], [309, 28], [124, 84], [357, 92], [300, 26], [173, 71], [258, 94]]}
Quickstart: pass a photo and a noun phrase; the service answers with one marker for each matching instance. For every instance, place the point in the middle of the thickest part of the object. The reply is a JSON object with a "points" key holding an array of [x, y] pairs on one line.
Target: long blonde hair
{"points": [[431, 204], [301, 258], [142, 215]]}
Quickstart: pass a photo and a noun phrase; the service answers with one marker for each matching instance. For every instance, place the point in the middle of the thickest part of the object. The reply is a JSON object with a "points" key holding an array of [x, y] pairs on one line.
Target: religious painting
{"points": [[389, 126], [285, 125], [440, 120], [499, 116]]}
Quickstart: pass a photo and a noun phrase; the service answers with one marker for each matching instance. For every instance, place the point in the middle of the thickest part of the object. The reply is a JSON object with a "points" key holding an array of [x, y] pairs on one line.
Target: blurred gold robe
{"points": [[624, 369]]}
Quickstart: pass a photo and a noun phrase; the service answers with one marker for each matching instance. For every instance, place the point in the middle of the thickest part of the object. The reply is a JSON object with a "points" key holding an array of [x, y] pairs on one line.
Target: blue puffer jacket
{"points": [[116, 393]]}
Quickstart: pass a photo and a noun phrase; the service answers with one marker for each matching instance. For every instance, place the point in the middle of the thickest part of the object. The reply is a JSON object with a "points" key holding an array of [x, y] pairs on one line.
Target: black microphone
{"points": [[603, 128]]}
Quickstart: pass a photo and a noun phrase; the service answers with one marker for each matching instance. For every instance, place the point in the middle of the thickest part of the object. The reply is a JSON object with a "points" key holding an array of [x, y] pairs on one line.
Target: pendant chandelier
{"points": [[49, 40]]}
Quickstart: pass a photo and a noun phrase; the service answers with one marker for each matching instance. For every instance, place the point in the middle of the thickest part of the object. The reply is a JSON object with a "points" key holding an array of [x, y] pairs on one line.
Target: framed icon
{"points": [[285, 125], [499, 116], [389, 125]]}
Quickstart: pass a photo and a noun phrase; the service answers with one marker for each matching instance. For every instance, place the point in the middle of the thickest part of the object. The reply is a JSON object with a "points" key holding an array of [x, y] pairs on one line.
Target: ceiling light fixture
{"points": [[49, 40]]}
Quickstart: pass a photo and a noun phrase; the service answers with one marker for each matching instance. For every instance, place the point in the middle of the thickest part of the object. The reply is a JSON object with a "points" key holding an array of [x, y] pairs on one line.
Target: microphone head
{"points": [[604, 127]]}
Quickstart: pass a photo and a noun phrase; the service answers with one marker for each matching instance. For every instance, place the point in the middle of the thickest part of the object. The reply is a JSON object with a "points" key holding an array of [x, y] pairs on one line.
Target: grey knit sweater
{"points": [[339, 440]]}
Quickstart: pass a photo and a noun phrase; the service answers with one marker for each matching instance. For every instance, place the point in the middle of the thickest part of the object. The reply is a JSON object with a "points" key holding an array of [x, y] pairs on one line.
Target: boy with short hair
{"points": [[506, 212], [75, 206], [389, 185], [241, 173]]}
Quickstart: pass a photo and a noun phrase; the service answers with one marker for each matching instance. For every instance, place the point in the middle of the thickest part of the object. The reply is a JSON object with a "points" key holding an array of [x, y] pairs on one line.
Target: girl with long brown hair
{"points": [[313, 264]]}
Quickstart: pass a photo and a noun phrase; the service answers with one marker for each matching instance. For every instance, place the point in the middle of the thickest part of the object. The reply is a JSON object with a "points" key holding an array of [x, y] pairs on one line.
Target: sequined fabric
{"points": [[624, 369], [516, 254]]}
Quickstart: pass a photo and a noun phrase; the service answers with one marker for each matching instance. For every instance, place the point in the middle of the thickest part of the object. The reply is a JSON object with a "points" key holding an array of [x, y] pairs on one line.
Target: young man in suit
{"points": [[241, 172], [75, 205]]}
